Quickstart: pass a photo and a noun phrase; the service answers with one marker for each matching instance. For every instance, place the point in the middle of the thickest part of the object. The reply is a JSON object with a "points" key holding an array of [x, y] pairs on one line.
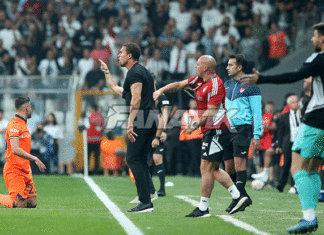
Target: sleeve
{"points": [[14, 130], [256, 108], [217, 94], [310, 68], [134, 78], [192, 82]]}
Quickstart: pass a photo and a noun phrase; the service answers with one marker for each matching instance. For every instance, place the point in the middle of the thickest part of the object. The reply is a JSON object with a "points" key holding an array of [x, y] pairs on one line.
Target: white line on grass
{"points": [[227, 218], [128, 226]]}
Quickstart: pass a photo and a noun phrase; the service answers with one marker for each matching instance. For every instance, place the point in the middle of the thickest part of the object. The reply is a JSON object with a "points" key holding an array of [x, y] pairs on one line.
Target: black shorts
{"points": [[214, 143], [158, 150], [239, 143]]}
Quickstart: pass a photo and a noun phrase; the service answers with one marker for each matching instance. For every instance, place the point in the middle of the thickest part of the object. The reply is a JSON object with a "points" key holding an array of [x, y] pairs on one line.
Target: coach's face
{"points": [[123, 57], [232, 68], [318, 41]]}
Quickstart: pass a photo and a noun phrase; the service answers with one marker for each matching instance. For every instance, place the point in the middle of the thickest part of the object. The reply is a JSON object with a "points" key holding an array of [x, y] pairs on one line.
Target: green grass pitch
{"points": [[67, 205]]}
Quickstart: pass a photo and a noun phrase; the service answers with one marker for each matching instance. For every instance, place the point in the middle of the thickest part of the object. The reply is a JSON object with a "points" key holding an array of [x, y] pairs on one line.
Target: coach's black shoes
{"points": [[237, 204], [161, 193], [198, 213], [142, 208]]}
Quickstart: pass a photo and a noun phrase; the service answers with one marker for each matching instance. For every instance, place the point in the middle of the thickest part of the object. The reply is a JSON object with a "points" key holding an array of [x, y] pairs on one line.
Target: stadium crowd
{"points": [[51, 38]]}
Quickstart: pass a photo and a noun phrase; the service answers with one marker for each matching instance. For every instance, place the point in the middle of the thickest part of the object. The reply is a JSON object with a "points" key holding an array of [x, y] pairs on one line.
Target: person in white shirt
{"points": [[157, 66], [264, 9], [49, 70], [210, 16], [84, 66], [182, 18], [10, 38]]}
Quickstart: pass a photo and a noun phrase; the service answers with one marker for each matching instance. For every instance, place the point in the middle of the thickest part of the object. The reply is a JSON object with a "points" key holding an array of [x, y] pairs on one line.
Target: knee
{"points": [[21, 203], [32, 204]]}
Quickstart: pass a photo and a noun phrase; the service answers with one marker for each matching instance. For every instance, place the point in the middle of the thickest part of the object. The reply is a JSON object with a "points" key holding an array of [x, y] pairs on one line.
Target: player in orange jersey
{"points": [[17, 173]]}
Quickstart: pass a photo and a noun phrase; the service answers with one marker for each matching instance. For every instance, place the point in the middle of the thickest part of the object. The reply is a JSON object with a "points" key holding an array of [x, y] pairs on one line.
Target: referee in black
{"points": [[141, 126]]}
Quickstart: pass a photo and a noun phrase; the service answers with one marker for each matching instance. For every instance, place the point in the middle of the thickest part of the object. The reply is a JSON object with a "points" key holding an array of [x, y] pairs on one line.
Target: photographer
{"points": [[43, 144]]}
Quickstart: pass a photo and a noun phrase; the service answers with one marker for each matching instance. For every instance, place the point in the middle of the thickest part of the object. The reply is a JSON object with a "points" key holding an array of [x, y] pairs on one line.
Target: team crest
{"points": [[242, 89]]}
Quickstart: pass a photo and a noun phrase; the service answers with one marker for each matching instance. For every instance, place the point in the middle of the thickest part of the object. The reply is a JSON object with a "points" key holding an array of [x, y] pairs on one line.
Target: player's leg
{"points": [[306, 176], [31, 202], [159, 168], [264, 175]]}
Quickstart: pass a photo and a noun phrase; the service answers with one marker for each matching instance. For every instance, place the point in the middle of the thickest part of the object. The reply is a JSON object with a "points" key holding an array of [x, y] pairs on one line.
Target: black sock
{"points": [[233, 177], [161, 173], [241, 181]]}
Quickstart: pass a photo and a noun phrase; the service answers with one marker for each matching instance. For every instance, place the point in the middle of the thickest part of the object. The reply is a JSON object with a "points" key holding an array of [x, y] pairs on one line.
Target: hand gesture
{"points": [[250, 79], [163, 137], [155, 143], [157, 94], [255, 144], [130, 133], [189, 129], [103, 66], [40, 165]]}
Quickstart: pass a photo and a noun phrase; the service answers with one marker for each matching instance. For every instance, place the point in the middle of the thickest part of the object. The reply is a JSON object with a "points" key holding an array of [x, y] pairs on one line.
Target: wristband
{"points": [[107, 72], [157, 137], [195, 125]]}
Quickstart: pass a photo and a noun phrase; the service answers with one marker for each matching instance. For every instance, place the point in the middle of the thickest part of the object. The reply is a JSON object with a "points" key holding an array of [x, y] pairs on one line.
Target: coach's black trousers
{"points": [[285, 169], [137, 154]]}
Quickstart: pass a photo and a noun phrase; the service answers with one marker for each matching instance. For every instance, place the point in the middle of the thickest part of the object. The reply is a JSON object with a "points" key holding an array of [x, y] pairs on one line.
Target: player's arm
{"points": [[256, 108], [172, 87], [110, 80], [307, 70], [136, 91], [14, 141]]}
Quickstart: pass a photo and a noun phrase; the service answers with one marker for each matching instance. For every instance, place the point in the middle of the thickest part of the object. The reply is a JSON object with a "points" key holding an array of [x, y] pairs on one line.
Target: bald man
{"points": [[213, 122]]}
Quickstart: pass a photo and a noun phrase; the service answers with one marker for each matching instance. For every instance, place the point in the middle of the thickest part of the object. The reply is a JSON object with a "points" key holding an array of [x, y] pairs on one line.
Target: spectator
{"points": [[3, 17], [250, 46], [70, 23], [44, 146], [178, 56], [182, 18], [49, 70], [283, 15], [84, 66], [52, 128], [232, 30], [197, 7], [108, 11], [111, 161], [84, 39], [209, 17], [226, 14], [100, 52], [170, 34], [138, 17], [287, 132], [192, 57], [60, 40], [33, 121], [95, 133], [159, 19], [191, 162], [208, 42], [243, 18], [3, 127], [95, 78], [221, 38], [22, 68], [11, 38], [144, 37], [34, 42], [66, 62], [125, 35], [157, 66], [195, 25], [263, 9], [37, 7], [86, 11], [259, 30]]}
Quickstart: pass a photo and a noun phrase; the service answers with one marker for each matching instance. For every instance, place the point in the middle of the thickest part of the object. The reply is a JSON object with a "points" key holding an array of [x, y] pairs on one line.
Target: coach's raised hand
{"points": [[103, 66], [250, 79]]}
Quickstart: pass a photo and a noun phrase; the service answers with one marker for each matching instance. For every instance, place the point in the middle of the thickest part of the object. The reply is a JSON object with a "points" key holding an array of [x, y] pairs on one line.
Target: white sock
{"points": [[234, 191], [266, 171], [309, 214], [203, 205]]}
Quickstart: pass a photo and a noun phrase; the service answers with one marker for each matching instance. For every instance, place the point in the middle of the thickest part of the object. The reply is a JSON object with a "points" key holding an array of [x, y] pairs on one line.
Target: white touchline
{"points": [[128, 226], [227, 218]]}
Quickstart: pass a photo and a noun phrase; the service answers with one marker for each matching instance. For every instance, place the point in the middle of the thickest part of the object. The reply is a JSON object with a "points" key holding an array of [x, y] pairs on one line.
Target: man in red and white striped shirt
{"points": [[213, 122]]}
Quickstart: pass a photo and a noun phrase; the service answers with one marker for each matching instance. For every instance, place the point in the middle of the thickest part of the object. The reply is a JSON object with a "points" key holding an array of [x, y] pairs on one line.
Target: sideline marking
{"points": [[227, 218], [128, 225]]}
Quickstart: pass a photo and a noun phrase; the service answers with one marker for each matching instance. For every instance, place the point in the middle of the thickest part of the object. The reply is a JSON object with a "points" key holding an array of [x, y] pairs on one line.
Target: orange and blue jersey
{"points": [[243, 105]]}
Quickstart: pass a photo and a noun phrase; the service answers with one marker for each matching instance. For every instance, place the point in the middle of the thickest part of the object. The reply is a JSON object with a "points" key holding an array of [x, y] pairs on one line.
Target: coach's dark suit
{"points": [[285, 144]]}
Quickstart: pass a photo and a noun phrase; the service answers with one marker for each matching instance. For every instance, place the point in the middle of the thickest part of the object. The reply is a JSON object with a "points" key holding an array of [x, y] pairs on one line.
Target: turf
{"points": [[66, 205]]}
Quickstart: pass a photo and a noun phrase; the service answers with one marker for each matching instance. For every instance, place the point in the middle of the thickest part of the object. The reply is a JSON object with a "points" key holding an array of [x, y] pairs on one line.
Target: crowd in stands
{"points": [[64, 37]]}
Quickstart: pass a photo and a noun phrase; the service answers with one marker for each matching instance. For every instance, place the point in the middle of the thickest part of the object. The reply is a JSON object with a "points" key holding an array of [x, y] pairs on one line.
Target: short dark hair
{"points": [[270, 102], [240, 60], [320, 28], [20, 101], [133, 49], [94, 106]]}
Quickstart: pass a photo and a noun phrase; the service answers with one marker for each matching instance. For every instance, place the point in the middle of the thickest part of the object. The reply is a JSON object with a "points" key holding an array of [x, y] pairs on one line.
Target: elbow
{"points": [[14, 151]]}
